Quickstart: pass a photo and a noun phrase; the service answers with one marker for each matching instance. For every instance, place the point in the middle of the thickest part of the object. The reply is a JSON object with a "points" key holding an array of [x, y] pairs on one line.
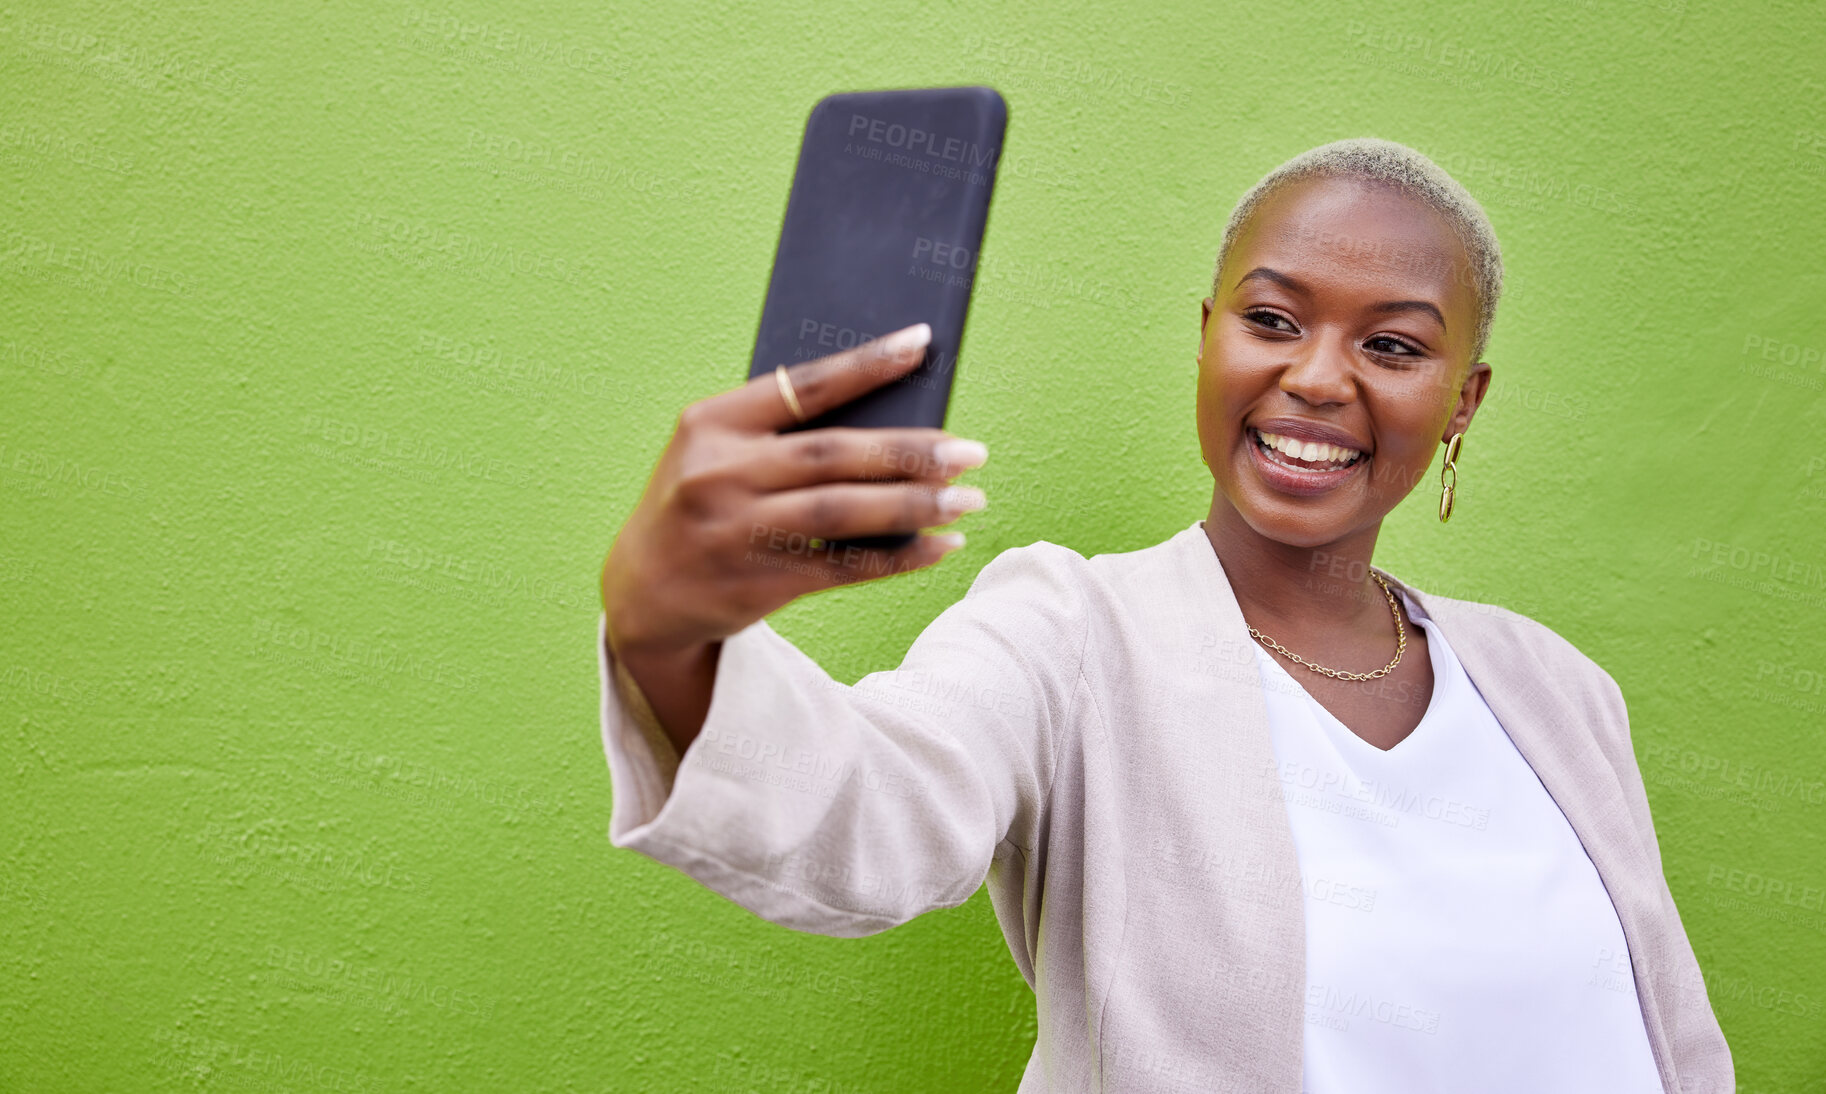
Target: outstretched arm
{"points": [[847, 810]]}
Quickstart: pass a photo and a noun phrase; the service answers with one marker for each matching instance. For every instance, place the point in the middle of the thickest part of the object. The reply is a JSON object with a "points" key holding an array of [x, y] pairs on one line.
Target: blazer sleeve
{"points": [[846, 810], [1702, 1056], [1621, 753]]}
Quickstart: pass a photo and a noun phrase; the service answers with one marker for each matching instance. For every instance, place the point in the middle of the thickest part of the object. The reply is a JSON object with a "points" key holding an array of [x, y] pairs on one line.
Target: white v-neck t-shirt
{"points": [[1458, 938]]}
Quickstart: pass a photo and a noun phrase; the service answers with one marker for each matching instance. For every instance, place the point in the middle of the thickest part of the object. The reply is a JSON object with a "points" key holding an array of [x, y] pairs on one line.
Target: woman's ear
{"points": [[1204, 318], [1470, 397]]}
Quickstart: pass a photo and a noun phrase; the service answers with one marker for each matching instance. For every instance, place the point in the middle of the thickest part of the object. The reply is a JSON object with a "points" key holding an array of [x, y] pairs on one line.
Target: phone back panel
{"points": [[883, 228]]}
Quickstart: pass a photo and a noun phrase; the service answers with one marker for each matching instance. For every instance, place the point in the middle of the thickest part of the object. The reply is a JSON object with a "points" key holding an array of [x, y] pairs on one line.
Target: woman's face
{"points": [[1346, 315]]}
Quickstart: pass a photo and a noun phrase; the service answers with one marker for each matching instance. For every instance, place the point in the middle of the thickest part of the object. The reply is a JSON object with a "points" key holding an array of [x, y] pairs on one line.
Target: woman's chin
{"points": [[1296, 530], [1298, 520]]}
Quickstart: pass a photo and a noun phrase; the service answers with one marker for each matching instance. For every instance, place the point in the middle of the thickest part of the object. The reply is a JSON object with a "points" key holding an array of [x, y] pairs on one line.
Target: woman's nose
{"points": [[1320, 371]]}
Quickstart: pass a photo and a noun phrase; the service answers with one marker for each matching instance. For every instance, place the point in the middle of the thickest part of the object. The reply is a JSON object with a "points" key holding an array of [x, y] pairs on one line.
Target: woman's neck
{"points": [[1319, 587]]}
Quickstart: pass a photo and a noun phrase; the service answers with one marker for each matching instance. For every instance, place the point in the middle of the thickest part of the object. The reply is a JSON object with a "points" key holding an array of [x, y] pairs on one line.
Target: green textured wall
{"points": [[336, 340]]}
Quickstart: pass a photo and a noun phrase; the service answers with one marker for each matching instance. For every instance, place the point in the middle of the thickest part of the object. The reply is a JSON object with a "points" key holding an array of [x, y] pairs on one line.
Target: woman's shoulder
{"points": [[1041, 566], [1098, 583], [1044, 579], [1513, 634]]}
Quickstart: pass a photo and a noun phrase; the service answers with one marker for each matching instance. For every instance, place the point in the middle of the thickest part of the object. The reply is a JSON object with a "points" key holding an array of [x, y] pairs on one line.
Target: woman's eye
{"points": [[1268, 319], [1400, 348]]}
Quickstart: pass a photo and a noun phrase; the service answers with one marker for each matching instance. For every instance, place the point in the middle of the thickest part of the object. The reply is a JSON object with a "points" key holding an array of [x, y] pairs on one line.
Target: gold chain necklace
{"points": [[1401, 643]]}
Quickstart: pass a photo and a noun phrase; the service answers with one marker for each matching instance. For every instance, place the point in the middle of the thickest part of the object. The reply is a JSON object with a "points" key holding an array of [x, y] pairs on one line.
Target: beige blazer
{"points": [[1089, 738]]}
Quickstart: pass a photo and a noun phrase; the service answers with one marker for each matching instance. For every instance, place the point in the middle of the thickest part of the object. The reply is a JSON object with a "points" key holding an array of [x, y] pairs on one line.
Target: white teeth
{"points": [[1310, 451]]}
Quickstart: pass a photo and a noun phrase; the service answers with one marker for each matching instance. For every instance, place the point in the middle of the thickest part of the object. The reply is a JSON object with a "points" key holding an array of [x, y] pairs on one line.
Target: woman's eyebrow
{"points": [[1410, 305], [1294, 284]]}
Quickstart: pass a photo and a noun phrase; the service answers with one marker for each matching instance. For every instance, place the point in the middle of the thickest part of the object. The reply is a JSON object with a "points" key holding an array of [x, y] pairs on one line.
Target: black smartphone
{"points": [[883, 229]]}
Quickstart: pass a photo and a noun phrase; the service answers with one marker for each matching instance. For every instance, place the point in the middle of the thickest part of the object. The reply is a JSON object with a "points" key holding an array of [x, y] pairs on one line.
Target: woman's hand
{"points": [[733, 521]]}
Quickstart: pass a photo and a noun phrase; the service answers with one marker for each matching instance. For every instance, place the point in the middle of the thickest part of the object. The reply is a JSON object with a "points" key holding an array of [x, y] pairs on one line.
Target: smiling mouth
{"points": [[1303, 456]]}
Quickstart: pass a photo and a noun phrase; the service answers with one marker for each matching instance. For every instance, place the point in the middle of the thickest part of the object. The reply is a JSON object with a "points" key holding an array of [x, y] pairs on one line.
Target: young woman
{"points": [[1254, 814]]}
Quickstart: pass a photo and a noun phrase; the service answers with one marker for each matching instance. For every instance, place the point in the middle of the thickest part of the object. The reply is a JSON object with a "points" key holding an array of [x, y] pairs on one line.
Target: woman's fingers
{"points": [[808, 457], [850, 510], [759, 406], [738, 517], [801, 565]]}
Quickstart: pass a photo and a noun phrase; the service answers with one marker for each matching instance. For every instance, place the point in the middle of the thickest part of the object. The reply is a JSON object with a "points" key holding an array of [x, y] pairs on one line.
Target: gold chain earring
{"points": [[1447, 489]]}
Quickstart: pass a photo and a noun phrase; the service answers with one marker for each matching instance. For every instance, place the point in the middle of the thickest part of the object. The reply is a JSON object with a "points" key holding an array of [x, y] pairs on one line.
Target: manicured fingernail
{"points": [[949, 541], [960, 499], [960, 453], [916, 335], [904, 345]]}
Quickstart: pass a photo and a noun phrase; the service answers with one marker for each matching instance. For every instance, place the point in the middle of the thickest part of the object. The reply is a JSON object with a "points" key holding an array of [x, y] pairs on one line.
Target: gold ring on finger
{"points": [[787, 393]]}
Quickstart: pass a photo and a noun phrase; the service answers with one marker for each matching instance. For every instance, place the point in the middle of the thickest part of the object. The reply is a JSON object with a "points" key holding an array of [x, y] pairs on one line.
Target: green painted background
{"points": [[336, 340]]}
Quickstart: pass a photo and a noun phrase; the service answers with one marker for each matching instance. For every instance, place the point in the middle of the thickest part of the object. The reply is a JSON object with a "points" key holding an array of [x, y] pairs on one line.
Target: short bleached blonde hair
{"points": [[1389, 163]]}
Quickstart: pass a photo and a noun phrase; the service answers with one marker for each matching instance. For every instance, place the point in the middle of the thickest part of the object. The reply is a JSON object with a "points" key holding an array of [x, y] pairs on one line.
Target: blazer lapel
{"points": [[1553, 734], [1525, 690], [1247, 921]]}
